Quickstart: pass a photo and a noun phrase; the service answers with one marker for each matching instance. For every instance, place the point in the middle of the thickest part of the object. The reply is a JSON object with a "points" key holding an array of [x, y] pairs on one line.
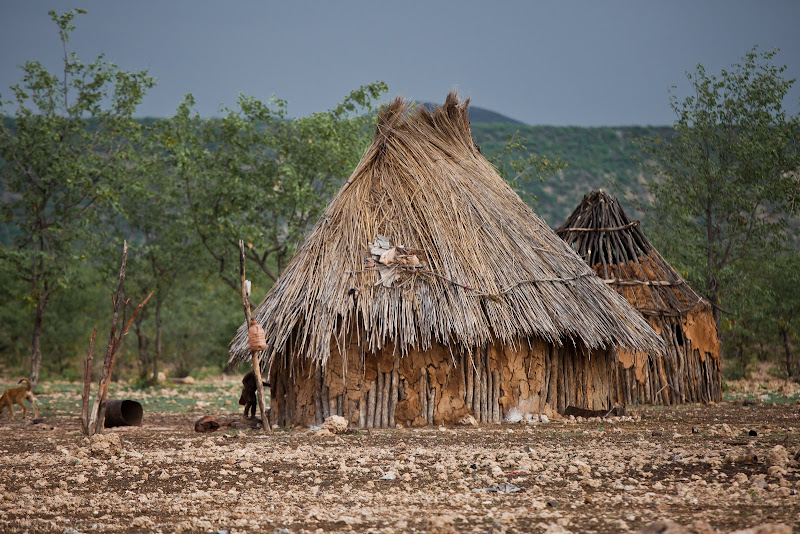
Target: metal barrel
{"points": [[121, 412]]}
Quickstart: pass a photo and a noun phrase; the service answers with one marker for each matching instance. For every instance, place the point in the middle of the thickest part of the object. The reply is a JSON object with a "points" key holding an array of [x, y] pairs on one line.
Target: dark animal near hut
{"points": [[248, 396]]}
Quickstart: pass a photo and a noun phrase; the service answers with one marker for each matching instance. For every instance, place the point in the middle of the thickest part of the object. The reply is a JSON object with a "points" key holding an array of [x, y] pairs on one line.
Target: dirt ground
{"points": [[696, 465]]}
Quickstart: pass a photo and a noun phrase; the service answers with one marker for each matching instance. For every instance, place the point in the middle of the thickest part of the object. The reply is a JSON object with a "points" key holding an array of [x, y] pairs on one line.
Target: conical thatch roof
{"points": [[614, 245], [490, 268]]}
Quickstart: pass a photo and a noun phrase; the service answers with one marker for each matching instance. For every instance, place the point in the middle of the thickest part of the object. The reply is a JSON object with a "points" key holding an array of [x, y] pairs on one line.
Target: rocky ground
{"points": [[705, 468]]}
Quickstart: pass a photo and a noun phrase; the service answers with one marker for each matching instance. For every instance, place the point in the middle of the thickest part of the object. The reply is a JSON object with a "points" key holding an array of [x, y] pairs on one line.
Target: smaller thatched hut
{"points": [[429, 291], [615, 247]]}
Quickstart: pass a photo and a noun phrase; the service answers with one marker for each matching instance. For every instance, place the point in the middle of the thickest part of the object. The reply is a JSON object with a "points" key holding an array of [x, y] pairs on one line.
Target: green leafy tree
{"points": [[784, 283], [65, 152], [724, 186], [163, 243], [256, 176], [518, 167]]}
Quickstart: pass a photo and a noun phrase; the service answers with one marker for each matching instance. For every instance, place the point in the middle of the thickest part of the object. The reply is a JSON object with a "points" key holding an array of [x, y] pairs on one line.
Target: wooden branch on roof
{"points": [[618, 282], [611, 229]]}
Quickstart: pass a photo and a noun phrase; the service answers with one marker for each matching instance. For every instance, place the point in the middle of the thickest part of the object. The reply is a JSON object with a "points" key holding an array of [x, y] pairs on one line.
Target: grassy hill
{"points": [[601, 157]]}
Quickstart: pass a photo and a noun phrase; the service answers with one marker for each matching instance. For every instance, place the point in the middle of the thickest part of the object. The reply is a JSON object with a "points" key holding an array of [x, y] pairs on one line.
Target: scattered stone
{"points": [[468, 420], [747, 458], [664, 526], [105, 445], [769, 528], [758, 482], [441, 524], [778, 456], [699, 526], [658, 432], [336, 424], [505, 487]]}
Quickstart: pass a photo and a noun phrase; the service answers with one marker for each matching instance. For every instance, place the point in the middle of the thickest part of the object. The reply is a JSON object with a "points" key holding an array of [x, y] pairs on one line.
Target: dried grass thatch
{"points": [[614, 245], [618, 251], [491, 270]]}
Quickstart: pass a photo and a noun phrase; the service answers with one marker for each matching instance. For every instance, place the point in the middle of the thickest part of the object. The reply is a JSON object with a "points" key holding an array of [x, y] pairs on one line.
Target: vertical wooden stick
{"points": [[362, 411], [484, 390], [380, 416], [387, 385], [326, 396], [371, 404], [495, 396], [265, 422], [393, 395], [469, 380], [87, 384], [423, 392], [431, 405], [476, 385]]}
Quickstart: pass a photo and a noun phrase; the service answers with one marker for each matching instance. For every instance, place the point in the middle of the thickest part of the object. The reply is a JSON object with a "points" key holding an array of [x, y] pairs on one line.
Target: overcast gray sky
{"points": [[586, 63]]}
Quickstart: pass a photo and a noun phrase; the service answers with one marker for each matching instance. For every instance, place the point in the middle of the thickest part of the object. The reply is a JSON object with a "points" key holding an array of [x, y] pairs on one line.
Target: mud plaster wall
{"points": [[683, 373], [699, 327], [441, 386]]}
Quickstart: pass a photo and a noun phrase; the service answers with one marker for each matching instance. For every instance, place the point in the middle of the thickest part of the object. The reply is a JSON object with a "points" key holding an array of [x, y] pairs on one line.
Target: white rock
{"points": [[777, 456], [336, 424], [514, 416], [105, 445], [468, 420]]}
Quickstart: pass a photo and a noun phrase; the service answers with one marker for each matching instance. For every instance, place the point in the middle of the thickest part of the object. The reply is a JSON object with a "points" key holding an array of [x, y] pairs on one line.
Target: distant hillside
{"points": [[479, 115], [598, 157], [601, 157]]}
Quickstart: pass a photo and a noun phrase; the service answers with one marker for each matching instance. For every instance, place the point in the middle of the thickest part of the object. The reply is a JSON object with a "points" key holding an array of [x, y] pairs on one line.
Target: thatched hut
{"points": [[429, 291], [615, 247]]}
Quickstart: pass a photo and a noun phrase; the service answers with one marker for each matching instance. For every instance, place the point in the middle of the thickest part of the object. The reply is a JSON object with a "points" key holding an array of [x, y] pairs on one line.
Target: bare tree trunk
{"points": [[159, 336], [143, 345], [36, 343], [788, 352], [98, 414]]}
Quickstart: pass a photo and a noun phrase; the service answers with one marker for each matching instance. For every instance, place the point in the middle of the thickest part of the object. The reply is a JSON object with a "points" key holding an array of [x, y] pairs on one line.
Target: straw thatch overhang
{"points": [[490, 269], [616, 248]]}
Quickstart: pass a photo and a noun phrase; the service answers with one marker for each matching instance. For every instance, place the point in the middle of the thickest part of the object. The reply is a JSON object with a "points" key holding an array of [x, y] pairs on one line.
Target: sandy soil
{"points": [[573, 476]]}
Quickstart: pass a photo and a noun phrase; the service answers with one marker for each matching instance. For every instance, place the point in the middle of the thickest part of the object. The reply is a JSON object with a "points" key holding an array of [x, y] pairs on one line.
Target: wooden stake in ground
{"points": [[87, 384], [98, 414], [265, 422]]}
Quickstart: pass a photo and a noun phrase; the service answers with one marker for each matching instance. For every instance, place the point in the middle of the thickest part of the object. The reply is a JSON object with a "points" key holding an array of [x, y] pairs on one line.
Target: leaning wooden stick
{"points": [[87, 384], [253, 354]]}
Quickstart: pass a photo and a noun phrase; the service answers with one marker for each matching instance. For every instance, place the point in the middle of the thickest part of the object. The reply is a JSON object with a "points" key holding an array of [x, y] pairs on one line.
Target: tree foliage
{"points": [[518, 166], [724, 187], [65, 154], [256, 176]]}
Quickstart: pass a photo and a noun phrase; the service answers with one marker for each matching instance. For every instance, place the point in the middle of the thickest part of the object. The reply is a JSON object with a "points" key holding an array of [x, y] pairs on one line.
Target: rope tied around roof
{"points": [[478, 293]]}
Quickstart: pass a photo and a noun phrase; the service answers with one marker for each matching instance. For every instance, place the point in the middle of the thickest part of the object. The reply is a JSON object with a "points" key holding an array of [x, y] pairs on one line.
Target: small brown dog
{"points": [[15, 396]]}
